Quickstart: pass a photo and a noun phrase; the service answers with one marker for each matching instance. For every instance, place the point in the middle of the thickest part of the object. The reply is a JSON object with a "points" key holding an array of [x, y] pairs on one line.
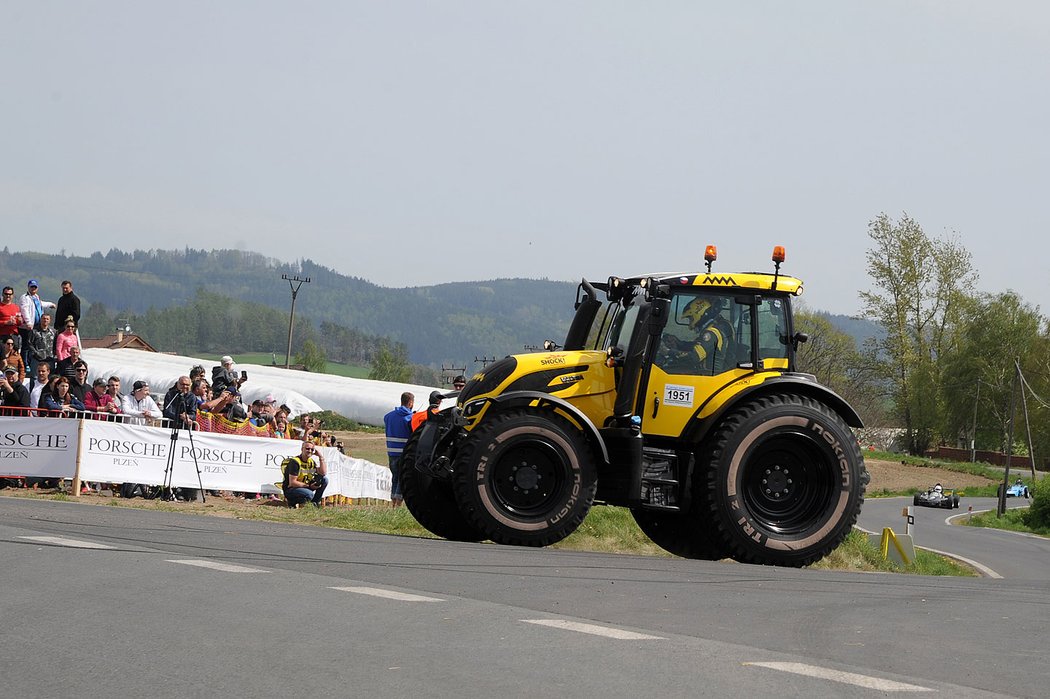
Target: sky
{"points": [[416, 143]]}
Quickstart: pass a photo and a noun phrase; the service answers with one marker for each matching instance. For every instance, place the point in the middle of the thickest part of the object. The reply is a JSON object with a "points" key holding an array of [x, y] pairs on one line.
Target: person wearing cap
{"points": [[32, 307], [224, 375], [219, 404], [14, 396], [433, 409], [97, 400], [139, 404]]}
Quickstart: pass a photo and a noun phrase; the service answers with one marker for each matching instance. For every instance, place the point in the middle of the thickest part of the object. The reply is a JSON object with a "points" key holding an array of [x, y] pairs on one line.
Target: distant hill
{"points": [[860, 329], [448, 323], [444, 324]]}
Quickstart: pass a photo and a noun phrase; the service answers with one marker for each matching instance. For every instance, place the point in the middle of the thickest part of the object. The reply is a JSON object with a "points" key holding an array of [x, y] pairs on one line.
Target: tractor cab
{"points": [[679, 340]]}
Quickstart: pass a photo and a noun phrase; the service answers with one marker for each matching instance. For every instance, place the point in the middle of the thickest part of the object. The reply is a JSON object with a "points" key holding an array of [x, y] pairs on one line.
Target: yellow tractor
{"points": [[676, 397]]}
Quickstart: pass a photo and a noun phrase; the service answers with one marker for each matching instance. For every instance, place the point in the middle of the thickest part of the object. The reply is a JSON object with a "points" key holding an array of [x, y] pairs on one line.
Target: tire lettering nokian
{"points": [[574, 495], [836, 446]]}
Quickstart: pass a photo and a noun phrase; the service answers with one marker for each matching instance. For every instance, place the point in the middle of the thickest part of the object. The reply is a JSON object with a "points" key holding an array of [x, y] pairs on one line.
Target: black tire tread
{"points": [[463, 480], [431, 501], [709, 485]]}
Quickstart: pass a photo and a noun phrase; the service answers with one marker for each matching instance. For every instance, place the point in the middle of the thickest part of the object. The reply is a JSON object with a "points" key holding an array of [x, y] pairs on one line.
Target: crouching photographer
{"points": [[304, 481]]}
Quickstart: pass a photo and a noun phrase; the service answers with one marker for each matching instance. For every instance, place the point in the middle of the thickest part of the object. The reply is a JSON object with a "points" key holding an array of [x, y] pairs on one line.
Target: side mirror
{"points": [[658, 315]]}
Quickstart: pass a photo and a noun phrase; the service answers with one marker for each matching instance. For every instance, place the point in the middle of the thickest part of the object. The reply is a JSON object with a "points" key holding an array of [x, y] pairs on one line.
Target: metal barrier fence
{"points": [[19, 411]]}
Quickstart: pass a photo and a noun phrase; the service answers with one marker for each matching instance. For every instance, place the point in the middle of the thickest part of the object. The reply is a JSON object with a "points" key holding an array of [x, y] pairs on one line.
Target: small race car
{"points": [[937, 497], [1018, 490]]}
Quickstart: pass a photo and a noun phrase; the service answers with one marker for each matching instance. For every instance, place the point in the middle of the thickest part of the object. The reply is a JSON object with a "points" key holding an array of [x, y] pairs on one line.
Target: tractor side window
{"points": [[773, 340], [705, 335]]}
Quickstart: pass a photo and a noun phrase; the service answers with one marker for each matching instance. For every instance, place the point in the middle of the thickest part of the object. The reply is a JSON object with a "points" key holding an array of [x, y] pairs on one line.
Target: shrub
{"points": [[1039, 512]]}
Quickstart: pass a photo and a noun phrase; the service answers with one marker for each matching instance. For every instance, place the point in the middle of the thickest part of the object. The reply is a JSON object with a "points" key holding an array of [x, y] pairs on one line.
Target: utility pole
{"points": [[294, 283], [973, 435], [1001, 508], [484, 361]]}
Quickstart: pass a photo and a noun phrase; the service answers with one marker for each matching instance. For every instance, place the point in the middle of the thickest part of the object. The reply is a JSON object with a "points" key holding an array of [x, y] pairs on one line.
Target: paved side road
{"points": [[1008, 554]]}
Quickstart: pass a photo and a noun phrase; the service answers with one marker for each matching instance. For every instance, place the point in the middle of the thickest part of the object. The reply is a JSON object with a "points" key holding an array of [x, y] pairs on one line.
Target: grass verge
{"points": [[605, 530], [1014, 520]]}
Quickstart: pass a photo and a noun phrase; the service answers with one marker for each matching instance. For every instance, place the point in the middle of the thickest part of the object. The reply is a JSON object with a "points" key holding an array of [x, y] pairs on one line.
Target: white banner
{"points": [[38, 446], [112, 452], [118, 453]]}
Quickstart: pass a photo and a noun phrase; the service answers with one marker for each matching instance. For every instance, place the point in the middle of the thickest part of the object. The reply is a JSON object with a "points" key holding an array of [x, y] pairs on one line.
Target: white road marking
{"points": [[843, 677], [71, 543], [387, 594], [618, 634], [215, 565]]}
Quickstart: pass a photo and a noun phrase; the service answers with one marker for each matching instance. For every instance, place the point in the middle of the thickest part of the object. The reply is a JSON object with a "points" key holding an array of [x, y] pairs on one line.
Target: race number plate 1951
{"points": [[678, 395]]}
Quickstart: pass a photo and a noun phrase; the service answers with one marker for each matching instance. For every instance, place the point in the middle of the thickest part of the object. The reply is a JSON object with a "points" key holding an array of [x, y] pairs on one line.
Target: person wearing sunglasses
{"points": [[9, 357], [66, 340], [10, 316], [78, 385]]}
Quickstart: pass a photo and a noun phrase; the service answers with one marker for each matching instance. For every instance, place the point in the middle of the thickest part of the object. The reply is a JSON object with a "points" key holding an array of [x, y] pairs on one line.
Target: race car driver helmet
{"points": [[937, 488], [699, 312]]}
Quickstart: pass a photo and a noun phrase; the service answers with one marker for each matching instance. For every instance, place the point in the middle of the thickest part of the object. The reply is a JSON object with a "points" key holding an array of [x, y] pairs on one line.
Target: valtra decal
{"points": [[718, 280]]}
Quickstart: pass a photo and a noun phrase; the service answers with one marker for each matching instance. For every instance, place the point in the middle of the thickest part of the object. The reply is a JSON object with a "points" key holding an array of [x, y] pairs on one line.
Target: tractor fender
{"points": [[798, 384], [516, 399]]}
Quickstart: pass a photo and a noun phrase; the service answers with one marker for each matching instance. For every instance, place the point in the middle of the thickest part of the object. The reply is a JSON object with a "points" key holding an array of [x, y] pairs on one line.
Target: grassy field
{"points": [[266, 359]]}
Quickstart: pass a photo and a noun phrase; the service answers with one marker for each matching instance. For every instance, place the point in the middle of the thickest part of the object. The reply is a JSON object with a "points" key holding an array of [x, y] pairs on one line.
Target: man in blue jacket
{"points": [[398, 424]]}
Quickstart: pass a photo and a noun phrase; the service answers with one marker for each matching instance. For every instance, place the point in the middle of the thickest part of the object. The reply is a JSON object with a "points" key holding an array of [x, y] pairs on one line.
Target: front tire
{"points": [[687, 534], [525, 477], [431, 500], [786, 481]]}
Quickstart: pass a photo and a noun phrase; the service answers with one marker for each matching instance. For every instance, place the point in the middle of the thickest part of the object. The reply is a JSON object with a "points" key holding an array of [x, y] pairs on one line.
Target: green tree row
{"points": [[214, 324], [945, 368]]}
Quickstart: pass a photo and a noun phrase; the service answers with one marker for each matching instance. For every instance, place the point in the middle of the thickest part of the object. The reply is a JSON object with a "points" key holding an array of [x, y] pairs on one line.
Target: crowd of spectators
{"points": [[42, 373]]}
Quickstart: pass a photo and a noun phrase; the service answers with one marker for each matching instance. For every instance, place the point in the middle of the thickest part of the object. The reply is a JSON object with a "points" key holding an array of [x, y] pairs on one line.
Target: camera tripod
{"points": [[167, 491]]}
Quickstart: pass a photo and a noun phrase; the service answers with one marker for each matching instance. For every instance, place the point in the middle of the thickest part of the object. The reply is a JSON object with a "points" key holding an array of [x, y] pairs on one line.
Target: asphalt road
{"points": [[160, 612], [999, 553]]}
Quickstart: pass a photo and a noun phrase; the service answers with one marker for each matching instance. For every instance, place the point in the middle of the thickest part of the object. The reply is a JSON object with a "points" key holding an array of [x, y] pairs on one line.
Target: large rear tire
{"points": [[786, 481], [686, 534], [431, 500], [525, 477]]}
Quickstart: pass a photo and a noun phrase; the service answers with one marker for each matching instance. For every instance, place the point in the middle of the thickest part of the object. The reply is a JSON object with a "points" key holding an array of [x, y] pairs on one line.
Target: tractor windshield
{"points": [[624, 318]]}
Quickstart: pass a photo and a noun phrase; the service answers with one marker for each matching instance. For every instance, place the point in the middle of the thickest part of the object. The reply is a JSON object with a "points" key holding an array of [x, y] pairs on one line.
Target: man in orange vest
{"points": [[433, 409]]}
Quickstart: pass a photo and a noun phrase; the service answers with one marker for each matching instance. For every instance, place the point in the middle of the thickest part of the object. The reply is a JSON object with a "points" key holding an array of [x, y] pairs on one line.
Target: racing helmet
{"points": [[698, 311], [937, 488]]}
